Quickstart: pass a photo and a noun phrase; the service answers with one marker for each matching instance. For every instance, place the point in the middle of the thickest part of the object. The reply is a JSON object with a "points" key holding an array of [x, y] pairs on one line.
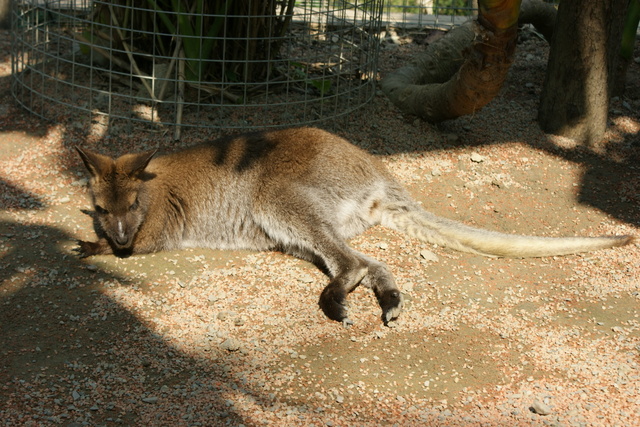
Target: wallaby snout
{"points": [[120, 230], [121, 238]]}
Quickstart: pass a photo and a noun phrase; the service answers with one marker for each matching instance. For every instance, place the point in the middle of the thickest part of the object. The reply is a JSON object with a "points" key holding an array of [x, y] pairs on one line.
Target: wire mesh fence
{"points": [[222, 64], [171, 64], [432, 14]]}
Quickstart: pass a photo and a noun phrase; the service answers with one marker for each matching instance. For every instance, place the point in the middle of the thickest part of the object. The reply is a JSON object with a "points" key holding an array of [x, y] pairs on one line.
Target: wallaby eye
{"points": [[134, 206], [101, 210]]}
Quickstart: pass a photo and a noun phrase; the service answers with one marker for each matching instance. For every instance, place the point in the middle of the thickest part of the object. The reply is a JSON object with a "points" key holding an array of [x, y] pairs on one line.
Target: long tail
{"points": [[418, 223]]}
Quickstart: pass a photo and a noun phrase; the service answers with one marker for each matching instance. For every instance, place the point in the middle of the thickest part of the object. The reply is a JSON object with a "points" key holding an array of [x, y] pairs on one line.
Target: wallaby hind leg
{"points": [[297, 228], [344, 266], [333, 299], [375, 275], [347, 269]]}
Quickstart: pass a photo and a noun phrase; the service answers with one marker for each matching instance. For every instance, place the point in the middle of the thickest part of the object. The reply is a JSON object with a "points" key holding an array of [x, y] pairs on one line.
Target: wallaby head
{"points": [[118, 192]]}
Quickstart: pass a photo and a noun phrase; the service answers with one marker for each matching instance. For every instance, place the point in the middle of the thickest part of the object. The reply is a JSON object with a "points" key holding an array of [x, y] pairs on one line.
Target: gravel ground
{"points": [[201, 337]]}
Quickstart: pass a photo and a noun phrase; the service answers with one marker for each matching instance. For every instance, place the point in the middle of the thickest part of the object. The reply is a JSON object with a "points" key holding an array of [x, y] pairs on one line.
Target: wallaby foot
{"points": [[391, 302], [333, 299], [384, 287], [333, 302]]}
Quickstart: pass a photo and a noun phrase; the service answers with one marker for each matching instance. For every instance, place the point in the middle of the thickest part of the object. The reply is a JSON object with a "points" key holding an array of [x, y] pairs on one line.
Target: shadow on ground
{"points": [[62, 338]]}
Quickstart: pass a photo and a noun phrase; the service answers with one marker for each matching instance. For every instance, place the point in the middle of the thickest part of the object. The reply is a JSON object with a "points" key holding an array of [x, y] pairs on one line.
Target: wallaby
{"points": [[303, 191]]}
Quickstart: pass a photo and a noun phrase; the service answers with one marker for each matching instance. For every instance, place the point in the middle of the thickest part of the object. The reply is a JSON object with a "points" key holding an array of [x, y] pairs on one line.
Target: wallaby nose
{"points": [[121, 237]]}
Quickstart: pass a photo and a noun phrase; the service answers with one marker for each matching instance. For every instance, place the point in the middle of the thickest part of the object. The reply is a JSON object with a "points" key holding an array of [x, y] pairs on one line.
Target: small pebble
{"points": [[540, 408], [230, 344], [429, 256], [477, 158], [306, 278]]}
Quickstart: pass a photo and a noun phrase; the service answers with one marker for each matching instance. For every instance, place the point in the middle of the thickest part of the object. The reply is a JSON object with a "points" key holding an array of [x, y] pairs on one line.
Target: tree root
{"points": [[464, 70]]}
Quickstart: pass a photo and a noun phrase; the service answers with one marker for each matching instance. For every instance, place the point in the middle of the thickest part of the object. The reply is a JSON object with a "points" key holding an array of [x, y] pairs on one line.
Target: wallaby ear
{"points": [[96, 164], [134, 164]]}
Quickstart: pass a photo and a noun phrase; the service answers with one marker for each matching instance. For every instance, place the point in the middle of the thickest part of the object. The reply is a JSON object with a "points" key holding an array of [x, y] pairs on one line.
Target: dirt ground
{"points": [[202, 337]]}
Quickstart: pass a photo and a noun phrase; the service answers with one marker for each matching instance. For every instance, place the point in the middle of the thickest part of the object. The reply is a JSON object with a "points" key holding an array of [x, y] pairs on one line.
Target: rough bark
{"points": [[461, 72], [582, 62]]}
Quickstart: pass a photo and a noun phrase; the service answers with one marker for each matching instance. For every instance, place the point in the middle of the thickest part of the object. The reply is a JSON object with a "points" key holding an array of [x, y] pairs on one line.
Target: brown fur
{"points": [[303, 191]]}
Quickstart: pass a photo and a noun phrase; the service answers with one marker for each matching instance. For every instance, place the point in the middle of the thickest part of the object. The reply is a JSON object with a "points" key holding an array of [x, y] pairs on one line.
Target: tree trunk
{"points": [[581, 69]]}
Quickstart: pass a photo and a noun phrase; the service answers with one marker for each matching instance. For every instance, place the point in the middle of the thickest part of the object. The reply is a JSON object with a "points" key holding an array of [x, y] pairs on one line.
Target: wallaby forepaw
{"points": [[84, 249], [87, 249]]}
